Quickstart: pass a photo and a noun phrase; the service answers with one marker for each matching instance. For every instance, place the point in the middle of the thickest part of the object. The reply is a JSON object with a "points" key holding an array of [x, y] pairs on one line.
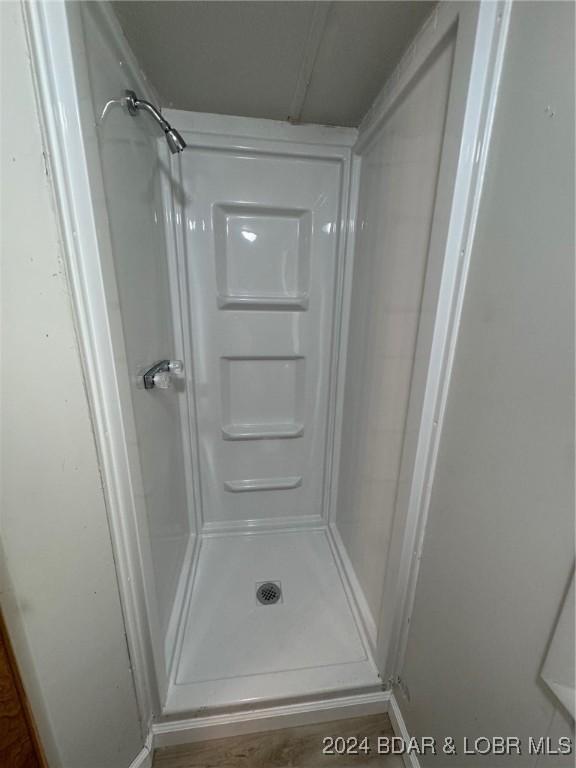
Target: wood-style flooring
{"points": [[19, 744], [288, 748]]}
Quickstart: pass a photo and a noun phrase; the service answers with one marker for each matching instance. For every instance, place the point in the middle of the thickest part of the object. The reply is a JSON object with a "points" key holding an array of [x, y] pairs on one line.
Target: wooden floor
{"points": [[289, 748], [19, 744]]}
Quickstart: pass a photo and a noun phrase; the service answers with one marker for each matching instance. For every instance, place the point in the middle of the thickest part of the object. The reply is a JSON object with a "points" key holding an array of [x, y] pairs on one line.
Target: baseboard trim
{"points": [[144, 758], [196, 729], [269, 718], [400, 729]]}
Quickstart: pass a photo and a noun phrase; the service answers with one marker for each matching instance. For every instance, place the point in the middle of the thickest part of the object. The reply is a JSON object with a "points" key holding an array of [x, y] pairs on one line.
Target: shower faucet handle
{"points": [[162, 380], [160, 374], [176, 367]]}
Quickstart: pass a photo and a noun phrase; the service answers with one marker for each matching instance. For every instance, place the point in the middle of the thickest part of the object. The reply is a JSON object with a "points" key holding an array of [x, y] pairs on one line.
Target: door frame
{"points": [[74, 169], [50, 43], [480, 31]]}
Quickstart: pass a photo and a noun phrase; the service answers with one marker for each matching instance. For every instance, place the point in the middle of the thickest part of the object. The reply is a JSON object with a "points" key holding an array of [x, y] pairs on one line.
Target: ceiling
{"points": [[314, 62]]}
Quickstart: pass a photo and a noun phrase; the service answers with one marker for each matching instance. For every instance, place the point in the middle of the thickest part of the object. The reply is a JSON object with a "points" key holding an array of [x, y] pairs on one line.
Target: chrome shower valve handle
{"points": [[162, 380], [160, 374], [176, 367]]}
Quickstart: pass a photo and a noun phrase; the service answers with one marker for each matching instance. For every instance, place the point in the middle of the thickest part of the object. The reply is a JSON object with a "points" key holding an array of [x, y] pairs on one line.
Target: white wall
{"points": [[58, 585], [499, 547], [396, 202], [132, 173]]}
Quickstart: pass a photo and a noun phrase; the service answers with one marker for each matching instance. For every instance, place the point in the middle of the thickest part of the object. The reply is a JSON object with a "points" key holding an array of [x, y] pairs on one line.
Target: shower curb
{"points": [[203, 728]]}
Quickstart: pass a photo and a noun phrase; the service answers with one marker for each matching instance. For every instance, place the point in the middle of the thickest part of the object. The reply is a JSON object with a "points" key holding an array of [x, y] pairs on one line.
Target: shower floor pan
{"points": [[234, 649]]}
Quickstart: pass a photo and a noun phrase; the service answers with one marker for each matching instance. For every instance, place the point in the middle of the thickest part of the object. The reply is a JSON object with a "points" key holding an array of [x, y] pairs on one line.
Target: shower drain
{"points": [[269, 592]]}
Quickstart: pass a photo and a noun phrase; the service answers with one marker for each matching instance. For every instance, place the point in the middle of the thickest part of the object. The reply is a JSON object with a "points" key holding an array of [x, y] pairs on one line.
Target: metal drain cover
{"points": [[269, 592]]}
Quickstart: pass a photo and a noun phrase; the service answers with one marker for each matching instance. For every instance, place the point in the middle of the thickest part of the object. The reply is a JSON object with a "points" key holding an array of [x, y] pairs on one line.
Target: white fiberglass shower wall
{"points": [[261, 245], [399, 156], [307, 277], [126, 172]]}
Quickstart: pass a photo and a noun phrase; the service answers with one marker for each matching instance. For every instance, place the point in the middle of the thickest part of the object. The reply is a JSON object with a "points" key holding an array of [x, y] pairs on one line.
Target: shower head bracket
{"points": [[131, 100]]}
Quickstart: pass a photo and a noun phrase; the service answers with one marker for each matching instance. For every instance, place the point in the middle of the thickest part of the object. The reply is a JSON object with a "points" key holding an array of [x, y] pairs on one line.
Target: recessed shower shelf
{"points": [[262, 431], [266, 484], [297, 303]]}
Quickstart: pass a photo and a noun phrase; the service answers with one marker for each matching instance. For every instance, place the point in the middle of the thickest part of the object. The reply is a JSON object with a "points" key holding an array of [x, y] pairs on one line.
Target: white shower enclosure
{"points": [[310, 280], [260, 236]]}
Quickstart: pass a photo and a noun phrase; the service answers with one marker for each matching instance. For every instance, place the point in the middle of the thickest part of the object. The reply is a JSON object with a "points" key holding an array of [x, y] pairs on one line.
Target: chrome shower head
{"points": [[175, 141]]}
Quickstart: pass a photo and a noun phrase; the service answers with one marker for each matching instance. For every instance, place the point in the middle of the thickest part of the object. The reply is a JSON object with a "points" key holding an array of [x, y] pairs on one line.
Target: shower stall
{"points": [[267, 313]]}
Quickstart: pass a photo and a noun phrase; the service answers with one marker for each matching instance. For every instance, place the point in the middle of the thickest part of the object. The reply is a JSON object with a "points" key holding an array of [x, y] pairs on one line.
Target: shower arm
{"points": [[175, 141], [134, 104]]}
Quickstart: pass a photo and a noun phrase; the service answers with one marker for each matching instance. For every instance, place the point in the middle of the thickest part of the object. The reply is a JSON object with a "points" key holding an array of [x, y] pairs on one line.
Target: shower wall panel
{"points": [[261, 234], [131, 173], [397, 190]]}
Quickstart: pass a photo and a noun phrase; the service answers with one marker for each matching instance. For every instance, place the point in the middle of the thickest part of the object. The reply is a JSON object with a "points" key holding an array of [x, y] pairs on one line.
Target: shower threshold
{"points": [[235, 650]]}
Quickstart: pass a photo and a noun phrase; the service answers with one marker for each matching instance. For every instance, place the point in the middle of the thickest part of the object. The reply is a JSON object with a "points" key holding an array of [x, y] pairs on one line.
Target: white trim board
{"points": [[145, 757], [50, 42], [202, 728], [479, 35], [399, 727], [489, 45]]}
